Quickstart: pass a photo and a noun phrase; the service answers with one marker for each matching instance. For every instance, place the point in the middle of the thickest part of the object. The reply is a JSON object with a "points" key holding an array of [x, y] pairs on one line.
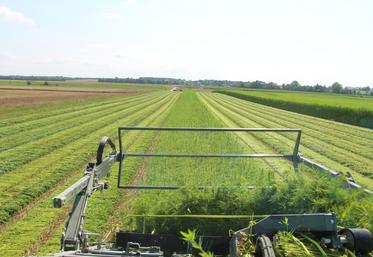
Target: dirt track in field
{"points": [[14, 96]]}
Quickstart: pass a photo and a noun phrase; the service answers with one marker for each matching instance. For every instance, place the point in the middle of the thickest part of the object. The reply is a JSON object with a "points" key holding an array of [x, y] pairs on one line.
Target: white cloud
{"points": [[5, 55], [91, 48], [13, 16], [122, 55], [130, 3], [113, 16]]}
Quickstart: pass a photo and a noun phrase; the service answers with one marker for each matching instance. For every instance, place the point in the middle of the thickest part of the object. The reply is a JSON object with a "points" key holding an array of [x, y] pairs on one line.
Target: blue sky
{"points": [[315, 41]]}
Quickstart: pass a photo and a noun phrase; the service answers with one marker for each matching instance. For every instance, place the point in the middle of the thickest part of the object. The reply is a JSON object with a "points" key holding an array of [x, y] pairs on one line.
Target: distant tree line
{"points": [[294, 86], [145, 80], [257, 84], [31, 78]]}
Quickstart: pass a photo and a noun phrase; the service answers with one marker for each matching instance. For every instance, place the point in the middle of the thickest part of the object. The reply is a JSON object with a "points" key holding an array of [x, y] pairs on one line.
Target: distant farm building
{"points": [[176, 89]]}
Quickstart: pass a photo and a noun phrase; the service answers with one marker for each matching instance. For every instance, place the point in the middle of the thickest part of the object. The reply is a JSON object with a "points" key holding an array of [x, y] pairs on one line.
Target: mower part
{"points": [[264, 247], [359, 240]]}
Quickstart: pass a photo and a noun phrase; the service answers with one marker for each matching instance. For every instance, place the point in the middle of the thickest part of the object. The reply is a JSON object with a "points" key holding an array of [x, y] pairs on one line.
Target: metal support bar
{"points": [[296, 150], [198, 216], [315, 165], [287, 156], [120, 156], [74, 223], [212, 129], [357, 186], [176, 187], [99, 171], [120, 253], [71, 192]]}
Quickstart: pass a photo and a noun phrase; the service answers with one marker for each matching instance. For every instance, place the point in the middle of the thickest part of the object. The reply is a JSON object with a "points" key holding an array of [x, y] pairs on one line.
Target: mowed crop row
{"points": [[342, 147], [48, 173], [42, 172], [23, 113], [348, 109], [16, 156], [52, 149], [48, 126], [199, 172]]}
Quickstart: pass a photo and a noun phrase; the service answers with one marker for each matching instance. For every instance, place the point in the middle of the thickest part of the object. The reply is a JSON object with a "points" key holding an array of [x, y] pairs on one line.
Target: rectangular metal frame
{"points": [[123, 155]]}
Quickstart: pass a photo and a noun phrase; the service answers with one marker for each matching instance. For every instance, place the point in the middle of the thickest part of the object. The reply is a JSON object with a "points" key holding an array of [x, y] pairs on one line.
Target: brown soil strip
{"points": [[10, 97], [71, 90]]}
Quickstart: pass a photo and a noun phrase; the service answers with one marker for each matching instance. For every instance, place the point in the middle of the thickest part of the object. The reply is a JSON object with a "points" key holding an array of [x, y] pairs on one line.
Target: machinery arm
{"points": [[73, 236]]}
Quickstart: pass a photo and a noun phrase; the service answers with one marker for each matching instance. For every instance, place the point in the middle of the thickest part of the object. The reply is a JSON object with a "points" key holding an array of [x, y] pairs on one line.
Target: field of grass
{"points": [[43, 153], [55, 160], [342, 147], [355, 110], [329, 99]]}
